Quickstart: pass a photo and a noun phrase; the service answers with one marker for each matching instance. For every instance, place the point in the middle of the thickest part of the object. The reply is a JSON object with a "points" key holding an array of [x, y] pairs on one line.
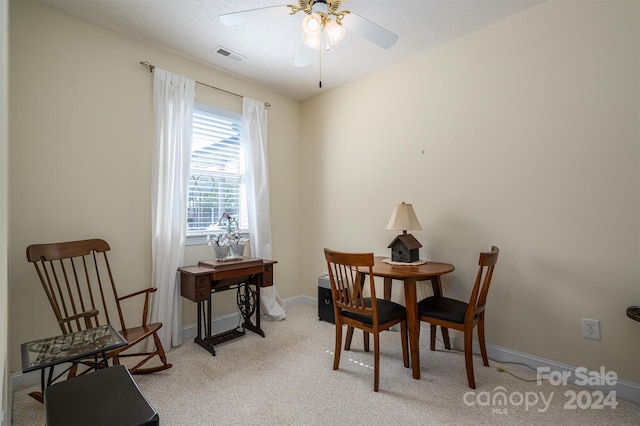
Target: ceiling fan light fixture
{"points": [[320, 6], [312, 25], [313, 41], [335, 32]]}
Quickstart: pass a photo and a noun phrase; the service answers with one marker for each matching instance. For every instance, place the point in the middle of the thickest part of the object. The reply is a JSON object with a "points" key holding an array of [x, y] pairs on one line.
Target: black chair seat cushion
{"points": [[443, 308], [387, 311]]}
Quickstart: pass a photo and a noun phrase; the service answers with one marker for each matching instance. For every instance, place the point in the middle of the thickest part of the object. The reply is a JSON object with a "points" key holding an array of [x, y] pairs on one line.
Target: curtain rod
{"points": [[151, 68]]}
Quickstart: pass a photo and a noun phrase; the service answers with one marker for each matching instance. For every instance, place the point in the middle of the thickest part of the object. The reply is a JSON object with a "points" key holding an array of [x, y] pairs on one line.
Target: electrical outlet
{"points": [[591, 328]]}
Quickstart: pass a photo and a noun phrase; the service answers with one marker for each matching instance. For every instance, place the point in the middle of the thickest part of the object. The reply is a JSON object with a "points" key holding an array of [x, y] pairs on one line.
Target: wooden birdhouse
{"points": [[405, 248]]}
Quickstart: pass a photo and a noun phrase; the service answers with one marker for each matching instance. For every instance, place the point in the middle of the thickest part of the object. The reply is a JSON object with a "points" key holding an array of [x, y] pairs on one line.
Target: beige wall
{"points": [[80, 156], [523, 135], [5, 382]]}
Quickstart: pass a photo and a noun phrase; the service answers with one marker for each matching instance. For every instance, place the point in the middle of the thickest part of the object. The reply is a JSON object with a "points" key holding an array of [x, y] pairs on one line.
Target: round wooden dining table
{"points": [[409, 274]]}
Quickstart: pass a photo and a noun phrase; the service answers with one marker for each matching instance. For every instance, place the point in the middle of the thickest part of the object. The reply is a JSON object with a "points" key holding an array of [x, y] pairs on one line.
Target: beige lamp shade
{"points": [[403, 217]]}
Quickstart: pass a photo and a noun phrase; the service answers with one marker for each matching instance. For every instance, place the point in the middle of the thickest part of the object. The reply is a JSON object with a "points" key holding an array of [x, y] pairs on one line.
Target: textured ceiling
{"points": [[270, 46]]}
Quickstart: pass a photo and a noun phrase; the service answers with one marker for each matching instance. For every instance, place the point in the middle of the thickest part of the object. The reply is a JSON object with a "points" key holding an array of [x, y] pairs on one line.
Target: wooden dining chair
{"points": [[353, 309], [79, 284], [463, 316]]}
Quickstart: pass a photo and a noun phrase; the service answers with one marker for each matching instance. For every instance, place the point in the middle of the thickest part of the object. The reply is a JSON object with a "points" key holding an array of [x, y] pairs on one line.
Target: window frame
{"points": [[200, 238]]}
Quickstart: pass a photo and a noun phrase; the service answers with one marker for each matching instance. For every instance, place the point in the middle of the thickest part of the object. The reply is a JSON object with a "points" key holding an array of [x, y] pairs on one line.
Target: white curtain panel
{"points": [[254, 120], [173, 98]]}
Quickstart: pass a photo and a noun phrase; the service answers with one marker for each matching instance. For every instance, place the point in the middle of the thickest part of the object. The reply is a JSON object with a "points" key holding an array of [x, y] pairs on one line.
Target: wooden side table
{"points": [[46, 353]]}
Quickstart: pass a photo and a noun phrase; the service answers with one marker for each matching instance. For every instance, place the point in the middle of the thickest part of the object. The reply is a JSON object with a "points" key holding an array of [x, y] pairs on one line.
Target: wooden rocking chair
{"points": [[77, 278]]}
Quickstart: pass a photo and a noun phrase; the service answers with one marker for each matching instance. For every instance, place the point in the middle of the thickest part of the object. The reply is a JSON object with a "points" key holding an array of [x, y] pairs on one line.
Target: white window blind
{"points": [[216, 176]]}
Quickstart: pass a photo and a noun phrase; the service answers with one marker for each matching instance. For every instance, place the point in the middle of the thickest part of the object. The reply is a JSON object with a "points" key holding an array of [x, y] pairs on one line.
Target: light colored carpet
{"points": [[287, 379]]}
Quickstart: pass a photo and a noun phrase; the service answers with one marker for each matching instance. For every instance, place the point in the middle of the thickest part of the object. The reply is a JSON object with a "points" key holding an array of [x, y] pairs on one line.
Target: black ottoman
{"points": [[104, 397]]}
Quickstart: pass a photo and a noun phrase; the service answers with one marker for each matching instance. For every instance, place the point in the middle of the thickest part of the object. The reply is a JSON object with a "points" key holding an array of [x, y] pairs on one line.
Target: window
{"points": [[216, 177]]}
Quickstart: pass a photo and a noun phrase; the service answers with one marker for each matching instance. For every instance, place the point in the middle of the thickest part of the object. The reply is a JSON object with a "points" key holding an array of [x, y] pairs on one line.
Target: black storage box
{"points": [[325, 300], [106, 397]]}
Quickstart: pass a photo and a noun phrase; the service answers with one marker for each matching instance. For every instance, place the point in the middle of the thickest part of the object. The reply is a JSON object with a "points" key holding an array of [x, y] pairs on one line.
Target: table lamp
{"points": [[404, 247]]}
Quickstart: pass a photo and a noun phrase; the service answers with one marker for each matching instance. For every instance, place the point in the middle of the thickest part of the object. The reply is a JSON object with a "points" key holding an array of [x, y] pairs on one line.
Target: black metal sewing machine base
{"points": [[219, 338]]}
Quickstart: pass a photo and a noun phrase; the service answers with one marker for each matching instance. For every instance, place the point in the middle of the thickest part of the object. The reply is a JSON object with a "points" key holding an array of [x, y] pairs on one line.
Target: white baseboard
{"points": [[230, 321], [624, 389]]}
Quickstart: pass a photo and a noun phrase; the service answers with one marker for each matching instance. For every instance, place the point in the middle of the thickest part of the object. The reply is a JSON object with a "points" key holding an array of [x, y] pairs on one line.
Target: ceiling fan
{"points": [[322, 16]]}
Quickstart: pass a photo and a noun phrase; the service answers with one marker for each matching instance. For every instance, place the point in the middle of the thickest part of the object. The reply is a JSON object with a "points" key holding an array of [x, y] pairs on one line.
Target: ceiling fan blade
{"points": [[303, 58], [235, 18], [369, 30]]}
